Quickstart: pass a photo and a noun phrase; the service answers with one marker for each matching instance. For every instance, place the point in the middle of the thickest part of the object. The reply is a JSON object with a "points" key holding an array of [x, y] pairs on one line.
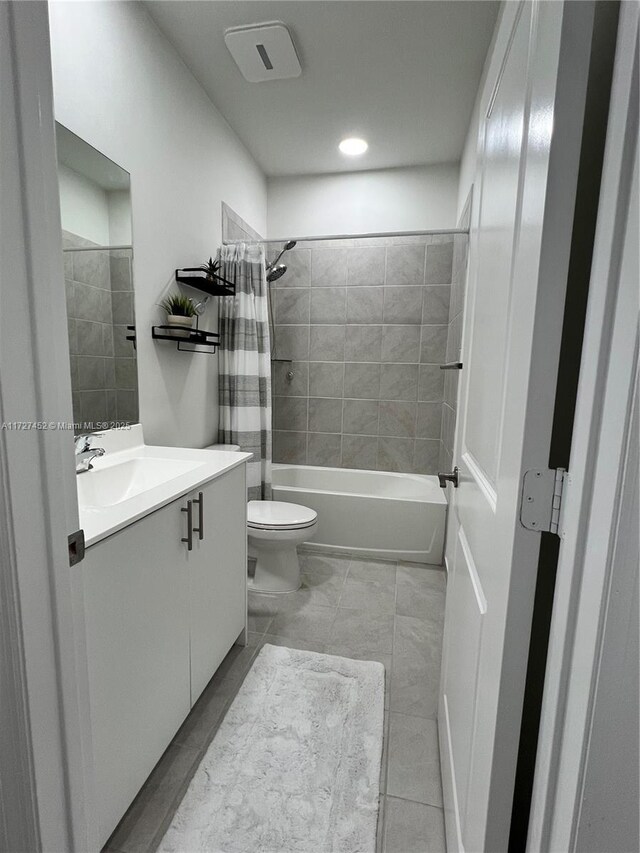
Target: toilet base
{"points": [[276, 570], [277, 564]]}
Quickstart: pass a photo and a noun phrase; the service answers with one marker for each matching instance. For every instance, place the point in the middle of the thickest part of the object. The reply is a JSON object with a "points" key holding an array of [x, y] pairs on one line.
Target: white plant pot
{"points": [[182, 325]]}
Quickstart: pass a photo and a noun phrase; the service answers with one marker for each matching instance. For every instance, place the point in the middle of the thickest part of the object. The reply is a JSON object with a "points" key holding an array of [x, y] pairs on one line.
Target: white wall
{"points": [[119, 202], [119, 85], [415, 198], [84, 207]]}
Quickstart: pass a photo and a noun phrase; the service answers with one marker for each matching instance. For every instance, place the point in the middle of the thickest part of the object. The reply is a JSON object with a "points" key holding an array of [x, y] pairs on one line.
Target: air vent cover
{"points": [[263, 51]]}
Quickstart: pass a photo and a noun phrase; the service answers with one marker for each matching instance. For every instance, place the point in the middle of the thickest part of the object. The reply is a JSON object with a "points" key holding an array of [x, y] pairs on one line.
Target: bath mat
{"points": [[295, 764]]}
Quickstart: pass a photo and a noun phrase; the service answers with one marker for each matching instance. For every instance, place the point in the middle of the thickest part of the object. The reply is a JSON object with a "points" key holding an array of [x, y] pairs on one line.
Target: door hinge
{"points": [[542, 494], [76, 547]]}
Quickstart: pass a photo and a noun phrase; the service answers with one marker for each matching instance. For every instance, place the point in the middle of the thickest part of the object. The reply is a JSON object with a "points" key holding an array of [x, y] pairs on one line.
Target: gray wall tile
{"points": [[328, 305], [429, 420], [329, 266], [292, 342], [365, 305], [366, 266], [290, 413], [430, 383], [427, 456], [359, 452], [325, 415], [363, 343], [90, 373], [403, 304], [326, 343], [395, 454], [298, 386], [298, 263], [324, 449], [372, 386], [399, 382], [360, 417], [397, 418], [436, 304], [290, 447], [326, 379], [401, 344], [405, 265], [439, 263], [362, 381], [292, 305], [433, 347]]}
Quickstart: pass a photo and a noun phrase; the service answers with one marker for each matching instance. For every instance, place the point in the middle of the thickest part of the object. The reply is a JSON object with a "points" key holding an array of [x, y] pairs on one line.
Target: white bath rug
{"points": [[295, 765]]}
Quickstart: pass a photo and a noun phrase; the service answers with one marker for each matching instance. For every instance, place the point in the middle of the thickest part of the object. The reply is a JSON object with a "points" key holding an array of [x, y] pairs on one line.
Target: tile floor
{"points": [[365, 609]]}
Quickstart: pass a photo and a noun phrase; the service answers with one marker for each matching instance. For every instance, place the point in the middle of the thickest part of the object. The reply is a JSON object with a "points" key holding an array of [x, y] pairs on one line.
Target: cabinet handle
{"points": [[189, 538], [200, 528]]}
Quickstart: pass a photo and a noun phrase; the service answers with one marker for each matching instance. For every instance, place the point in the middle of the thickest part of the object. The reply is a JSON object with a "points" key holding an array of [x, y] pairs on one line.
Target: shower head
{"points": [[276, 272], [287, 246]]}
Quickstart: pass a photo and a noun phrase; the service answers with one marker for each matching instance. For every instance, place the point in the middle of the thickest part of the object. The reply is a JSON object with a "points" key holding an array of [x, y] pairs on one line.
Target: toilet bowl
{"points": [[274, 531]]}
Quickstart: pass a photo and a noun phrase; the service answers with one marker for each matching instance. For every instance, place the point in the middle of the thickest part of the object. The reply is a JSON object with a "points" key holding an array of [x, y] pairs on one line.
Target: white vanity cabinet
{"points": [[159, 621]]}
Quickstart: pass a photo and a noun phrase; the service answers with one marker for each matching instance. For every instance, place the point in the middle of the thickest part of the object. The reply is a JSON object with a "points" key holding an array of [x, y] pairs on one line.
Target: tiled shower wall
{"points": [[366, 324], [104, 377]]}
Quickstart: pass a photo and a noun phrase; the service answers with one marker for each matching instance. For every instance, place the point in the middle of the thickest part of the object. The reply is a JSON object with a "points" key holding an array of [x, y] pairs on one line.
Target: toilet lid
{"points": [[279, 515]]}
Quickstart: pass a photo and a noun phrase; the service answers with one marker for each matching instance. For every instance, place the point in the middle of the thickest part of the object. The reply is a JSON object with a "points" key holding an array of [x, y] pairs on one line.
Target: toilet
{"points": [[274, 531]]}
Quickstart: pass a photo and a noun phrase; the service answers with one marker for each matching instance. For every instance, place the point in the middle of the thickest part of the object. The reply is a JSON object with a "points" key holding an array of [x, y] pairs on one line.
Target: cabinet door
{"points": [[137, 612], [218, 576]]}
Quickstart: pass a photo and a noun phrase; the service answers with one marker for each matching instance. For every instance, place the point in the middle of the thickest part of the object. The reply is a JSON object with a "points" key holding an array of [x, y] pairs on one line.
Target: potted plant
{"points": [[181, 312]]}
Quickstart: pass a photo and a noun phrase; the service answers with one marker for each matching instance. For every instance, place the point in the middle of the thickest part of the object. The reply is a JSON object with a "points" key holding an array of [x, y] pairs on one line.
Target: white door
{"points": [[529, 146]]}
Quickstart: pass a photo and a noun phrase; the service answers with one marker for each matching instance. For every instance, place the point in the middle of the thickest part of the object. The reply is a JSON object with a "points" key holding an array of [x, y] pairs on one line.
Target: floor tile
{"points": [[414, 761], [292, 643], [373, 570], [385, 660], [431, 576], [362, 632], [308, 622], [413, 827], [415, 669], [330, 564], [420, 593], [372, 596], [148, 817], [261, 611]]}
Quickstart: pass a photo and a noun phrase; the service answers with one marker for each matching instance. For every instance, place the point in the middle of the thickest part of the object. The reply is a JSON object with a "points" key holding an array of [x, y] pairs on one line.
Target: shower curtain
{"points": [[244, 369]]}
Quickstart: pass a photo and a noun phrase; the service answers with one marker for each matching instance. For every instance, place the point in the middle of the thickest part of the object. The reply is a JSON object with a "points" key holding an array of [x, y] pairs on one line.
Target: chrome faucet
{"points": [[85, 453]]}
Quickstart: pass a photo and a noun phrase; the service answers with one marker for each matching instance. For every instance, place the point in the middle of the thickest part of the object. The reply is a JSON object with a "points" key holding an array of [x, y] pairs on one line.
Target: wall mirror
{"points": [[95, 207]]}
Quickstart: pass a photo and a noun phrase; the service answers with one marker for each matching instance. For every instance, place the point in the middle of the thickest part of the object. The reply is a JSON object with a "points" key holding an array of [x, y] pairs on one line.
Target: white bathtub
{"points": [[371, 513]]}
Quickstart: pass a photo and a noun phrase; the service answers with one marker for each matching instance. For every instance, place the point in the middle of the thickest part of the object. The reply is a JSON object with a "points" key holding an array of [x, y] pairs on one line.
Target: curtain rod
{"points": [[348, 236]]}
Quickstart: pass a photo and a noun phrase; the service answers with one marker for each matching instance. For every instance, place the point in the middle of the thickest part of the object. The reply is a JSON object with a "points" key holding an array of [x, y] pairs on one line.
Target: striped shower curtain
{"points": [[244, 367]]}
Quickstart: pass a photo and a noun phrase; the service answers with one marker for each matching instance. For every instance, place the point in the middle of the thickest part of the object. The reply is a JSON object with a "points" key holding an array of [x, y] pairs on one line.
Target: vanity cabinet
{"points": [[159, 620]]}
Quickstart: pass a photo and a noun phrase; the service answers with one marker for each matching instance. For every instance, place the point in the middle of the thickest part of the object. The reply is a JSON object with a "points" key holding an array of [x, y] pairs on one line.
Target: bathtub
{"points": [[370, 513]]}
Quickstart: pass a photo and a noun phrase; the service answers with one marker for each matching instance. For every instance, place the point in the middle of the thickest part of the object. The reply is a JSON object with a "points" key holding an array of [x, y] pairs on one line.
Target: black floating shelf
{"points": [[188, 340], [202, 280]]}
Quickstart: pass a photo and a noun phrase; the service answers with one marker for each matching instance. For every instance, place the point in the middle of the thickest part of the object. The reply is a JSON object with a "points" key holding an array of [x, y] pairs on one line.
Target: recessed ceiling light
{"points": [[353, 146]]}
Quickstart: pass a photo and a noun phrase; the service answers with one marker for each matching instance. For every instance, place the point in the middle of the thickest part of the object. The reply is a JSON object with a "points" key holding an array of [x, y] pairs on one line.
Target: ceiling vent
{"points": [[263, 51]]}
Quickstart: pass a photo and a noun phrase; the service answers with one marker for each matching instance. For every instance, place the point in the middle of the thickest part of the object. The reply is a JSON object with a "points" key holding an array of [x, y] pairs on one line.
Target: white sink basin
{"points": [[111, 485]]}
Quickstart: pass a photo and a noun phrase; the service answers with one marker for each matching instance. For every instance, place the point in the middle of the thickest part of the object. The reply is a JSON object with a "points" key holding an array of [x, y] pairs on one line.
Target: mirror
{"points": [[95, 207]]}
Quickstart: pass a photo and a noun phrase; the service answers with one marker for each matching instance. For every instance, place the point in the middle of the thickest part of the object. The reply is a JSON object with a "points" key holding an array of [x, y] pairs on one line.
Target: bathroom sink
{"points": [[113, 484]]}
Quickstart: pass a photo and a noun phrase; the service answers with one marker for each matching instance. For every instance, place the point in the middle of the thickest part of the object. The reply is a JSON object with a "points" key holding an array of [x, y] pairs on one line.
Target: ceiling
{"points": [[403, 75]]}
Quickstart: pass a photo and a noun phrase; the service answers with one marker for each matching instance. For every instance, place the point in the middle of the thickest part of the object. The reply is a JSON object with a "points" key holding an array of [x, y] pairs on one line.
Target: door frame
{"points": [[600, 442], [46, 774]]}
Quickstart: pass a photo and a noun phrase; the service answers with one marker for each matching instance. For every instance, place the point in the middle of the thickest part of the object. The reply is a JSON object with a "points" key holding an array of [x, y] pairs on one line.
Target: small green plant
{"points": [[212, 268], [179, 305]]}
